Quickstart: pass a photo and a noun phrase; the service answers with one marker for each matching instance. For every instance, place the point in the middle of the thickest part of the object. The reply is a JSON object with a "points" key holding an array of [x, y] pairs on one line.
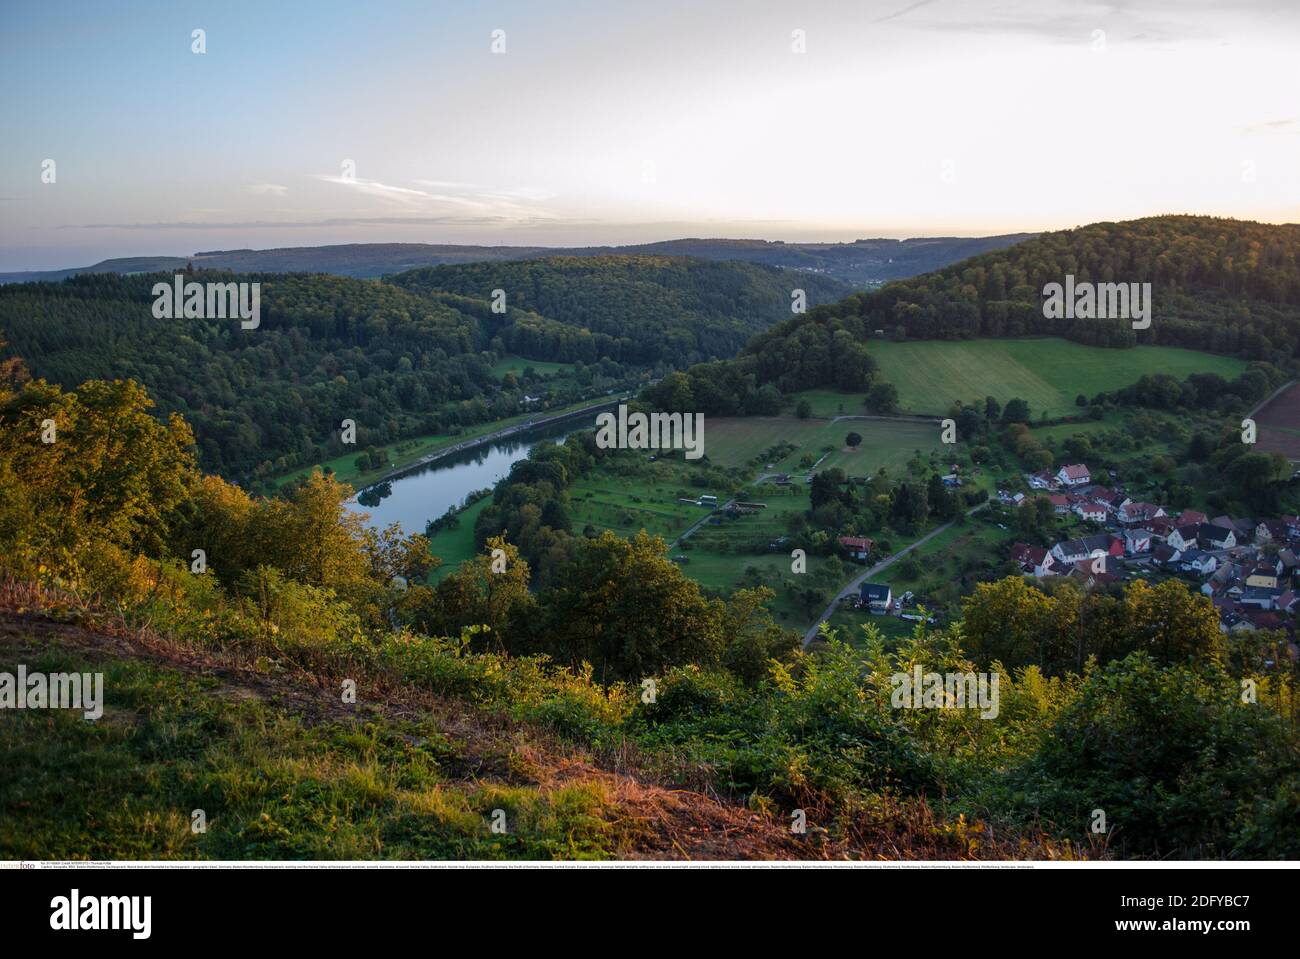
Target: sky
{"points": [[627, 121]]}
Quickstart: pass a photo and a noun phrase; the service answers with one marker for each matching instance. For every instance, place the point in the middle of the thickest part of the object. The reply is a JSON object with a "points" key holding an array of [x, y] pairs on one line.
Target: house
{"points": [[1137, 541], [1217, 584], [1074, 475], [858, 547], [1138, 514], [1190, 517], [1074, 550], [1108, 543], [1199, 562], [876, 597], [1161, 527], [1262, 575], [1070, 551], [1262, 597], [1060, 503], [1094, 571], [1203, 535], [1033, 559], [1215, 537], [1091, 511], [1116, 500], [1042, 480], [1271, 531], [1164, 555], [708, 500], [1243, 528]]}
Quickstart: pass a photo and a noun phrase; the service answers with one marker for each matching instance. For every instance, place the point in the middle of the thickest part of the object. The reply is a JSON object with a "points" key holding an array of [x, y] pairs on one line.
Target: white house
{"points": [[1075, 474], [1091, 511], [1137, 541], [1071, 551]]}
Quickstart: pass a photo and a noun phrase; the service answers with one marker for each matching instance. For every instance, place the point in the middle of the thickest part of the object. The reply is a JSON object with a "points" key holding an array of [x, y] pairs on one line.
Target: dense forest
{"points": [[399, 358], [631, 309], [1224, 286]]}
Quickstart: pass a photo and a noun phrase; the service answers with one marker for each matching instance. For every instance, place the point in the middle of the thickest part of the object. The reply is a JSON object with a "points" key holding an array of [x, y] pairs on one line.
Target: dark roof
{"points": [[874, 591]]}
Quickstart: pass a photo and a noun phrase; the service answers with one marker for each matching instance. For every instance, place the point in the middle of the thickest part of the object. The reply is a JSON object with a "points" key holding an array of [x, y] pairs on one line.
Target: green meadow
{"points": [[1048, 373]]}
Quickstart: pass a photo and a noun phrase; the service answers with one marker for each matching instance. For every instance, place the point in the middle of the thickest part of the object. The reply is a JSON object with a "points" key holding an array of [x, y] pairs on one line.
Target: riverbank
{"points": [[422, 450]]}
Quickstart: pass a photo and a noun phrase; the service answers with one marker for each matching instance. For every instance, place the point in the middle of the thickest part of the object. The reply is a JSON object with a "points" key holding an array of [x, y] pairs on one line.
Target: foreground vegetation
{"points": [[1132, 704]]}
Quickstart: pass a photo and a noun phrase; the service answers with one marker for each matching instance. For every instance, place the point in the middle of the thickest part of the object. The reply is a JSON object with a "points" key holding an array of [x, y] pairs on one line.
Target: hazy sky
{"points": [[622, 121]]}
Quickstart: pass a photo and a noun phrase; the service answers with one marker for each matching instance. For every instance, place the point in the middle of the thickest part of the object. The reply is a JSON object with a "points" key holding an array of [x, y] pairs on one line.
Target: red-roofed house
{"points": [[859, 547], [1075, 474]]}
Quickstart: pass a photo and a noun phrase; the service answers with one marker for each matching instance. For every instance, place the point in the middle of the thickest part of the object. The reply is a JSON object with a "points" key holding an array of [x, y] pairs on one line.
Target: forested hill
{"points": [[860, 263], [1225, 286], [401, 358], [631, 308]]}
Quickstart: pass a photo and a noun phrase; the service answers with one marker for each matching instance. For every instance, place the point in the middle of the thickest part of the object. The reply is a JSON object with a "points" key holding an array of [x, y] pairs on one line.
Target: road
{"points": [[856, 583]]}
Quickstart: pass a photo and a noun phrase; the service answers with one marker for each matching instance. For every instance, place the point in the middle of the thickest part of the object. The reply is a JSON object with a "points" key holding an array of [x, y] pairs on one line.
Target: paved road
{"points": [[856, 583]]}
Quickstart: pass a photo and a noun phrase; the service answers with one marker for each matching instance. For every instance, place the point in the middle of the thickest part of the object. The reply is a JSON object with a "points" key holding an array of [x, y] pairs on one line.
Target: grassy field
{"points": [[454, 546], [735, 442], [629, 504], [1048, 373], [517, 364]]}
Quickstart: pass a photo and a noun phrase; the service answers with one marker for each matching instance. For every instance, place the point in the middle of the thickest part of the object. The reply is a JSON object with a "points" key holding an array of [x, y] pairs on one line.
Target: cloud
{"points": [[450, 198], [267, 189]]}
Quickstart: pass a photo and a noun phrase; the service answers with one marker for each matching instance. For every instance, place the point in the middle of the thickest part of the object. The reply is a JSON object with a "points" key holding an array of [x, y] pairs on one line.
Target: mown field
{"points": [[629, 504], [1048, 373], [887, 443], [1279, 424], [454, 546]]}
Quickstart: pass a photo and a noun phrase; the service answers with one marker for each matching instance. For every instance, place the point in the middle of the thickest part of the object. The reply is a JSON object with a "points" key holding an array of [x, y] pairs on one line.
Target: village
{"points": [[1245, 565]]}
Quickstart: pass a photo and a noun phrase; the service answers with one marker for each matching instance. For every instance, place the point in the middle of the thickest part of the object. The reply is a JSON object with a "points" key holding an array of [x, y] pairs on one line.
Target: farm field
{"points": [[1279, 425], [887, 443], [1048, 373], [629, 504]]}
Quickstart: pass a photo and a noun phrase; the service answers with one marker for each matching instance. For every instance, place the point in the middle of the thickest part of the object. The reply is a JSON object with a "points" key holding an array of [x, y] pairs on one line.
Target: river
{"points": [[426, 492]]}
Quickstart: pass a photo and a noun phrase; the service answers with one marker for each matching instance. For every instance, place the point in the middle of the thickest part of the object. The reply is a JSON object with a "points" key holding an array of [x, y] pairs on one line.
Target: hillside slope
{"points": [[1221, 286], [414, 356], [282, 768]]}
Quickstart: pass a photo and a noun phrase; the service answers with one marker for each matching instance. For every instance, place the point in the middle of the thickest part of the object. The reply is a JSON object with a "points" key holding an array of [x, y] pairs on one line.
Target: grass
{"points": [[888, 443], [1048, 373], [454, 546], [409, 451], [270, 785], [517, 364], [628, 504]]}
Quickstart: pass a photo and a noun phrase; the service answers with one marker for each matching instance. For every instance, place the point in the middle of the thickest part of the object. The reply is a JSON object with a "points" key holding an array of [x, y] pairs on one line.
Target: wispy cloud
{"points": [[449, 197], [267, 189]]}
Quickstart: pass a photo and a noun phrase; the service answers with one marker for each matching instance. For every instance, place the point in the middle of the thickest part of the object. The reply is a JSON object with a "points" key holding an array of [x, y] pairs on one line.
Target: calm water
{"points": [[415, 498]]}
